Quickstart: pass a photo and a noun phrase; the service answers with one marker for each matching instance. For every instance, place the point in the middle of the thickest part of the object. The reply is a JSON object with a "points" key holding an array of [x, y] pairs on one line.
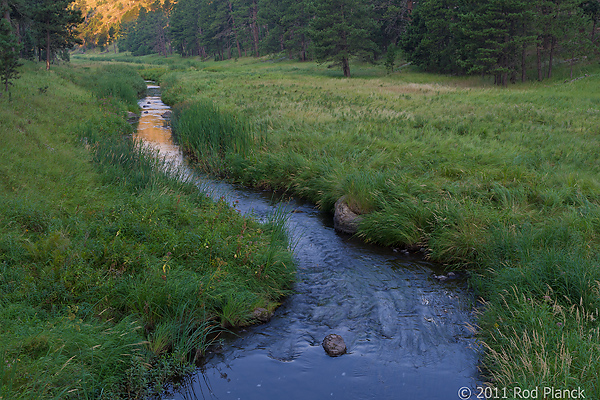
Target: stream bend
{"points": [[406, 332]]}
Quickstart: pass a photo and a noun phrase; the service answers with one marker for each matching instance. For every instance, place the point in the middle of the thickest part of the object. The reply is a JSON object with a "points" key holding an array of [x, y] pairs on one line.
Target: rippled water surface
{"points": [[406, 332]]}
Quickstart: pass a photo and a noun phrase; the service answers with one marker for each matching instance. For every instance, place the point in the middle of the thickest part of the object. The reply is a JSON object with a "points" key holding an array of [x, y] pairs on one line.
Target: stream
{"points": [[406, 332]]}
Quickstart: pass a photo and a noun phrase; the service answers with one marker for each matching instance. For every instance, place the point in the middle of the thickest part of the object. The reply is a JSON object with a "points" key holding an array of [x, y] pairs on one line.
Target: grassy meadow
{"points": [[114, 275], [502, 182]]}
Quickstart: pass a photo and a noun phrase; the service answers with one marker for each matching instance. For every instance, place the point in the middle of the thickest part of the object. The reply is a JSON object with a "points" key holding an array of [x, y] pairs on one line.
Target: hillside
{"points": [[101, 15]]}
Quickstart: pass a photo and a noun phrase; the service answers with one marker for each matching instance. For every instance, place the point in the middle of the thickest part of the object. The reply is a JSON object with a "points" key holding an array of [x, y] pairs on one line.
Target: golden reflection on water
{"points": [[154, 130]]}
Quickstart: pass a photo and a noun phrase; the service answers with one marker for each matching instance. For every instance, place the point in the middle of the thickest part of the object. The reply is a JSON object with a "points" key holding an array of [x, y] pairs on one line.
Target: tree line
{"points": [[507, 39], [326, 30], [501, 38]]}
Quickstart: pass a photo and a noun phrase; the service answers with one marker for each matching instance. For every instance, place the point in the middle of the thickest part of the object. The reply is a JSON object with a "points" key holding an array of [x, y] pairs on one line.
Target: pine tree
{"points": [[559, 24], [287, 23], [56, 22], [591, 8], [340, 30], [429, 41], [9, 54], [393, 17], [492, 36], [184, 28], [9, 48]]}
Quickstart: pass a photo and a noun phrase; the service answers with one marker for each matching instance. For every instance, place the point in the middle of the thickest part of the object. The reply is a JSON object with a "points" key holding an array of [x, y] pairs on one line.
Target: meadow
{"points": [[500, 182], [115, 276]]}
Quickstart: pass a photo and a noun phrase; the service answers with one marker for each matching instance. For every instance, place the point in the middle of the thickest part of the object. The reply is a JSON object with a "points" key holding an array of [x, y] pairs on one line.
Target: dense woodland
{"points": [[502, 38], [507, 39]]}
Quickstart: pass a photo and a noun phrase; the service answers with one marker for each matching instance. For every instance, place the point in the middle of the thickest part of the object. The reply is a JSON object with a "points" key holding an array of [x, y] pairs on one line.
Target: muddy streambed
{"points": [[406, 332]]}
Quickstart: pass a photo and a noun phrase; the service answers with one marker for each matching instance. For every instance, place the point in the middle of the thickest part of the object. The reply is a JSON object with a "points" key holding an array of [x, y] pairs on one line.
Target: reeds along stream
{"points": [[406, 332]]}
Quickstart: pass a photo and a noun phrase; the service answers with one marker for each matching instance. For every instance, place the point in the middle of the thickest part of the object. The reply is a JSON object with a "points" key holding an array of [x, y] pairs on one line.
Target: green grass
{"points": [[503, 182], [114, 276], [208, 133]]}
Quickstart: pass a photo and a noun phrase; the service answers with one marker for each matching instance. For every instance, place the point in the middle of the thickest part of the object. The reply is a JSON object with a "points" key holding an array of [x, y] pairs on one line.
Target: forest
{"points": [[508, 39], [504, 39]]}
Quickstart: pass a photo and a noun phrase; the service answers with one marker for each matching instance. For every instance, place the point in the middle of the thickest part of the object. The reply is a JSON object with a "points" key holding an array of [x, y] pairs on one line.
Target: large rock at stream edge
{"points": [[262, 315], [344, 219], [334, 345]]}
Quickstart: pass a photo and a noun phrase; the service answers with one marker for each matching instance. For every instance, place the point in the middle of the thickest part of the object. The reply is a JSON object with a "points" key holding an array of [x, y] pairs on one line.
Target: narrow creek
{"points": [[406, 332]]}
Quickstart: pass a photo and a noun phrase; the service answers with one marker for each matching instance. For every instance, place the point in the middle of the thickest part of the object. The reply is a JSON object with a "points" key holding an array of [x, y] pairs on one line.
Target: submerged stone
{"points": [[334, 345]]}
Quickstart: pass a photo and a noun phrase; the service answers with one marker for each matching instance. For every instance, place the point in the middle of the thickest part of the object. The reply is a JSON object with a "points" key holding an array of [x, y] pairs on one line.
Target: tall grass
{"points": [[114, 275], [502, 182], [120, 82], [203, 129]]}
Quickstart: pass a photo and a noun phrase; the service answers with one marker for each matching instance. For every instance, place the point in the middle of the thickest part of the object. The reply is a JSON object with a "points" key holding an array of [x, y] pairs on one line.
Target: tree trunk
{"points": [[539, 63], [7, 11], [237, 41], [551, 59], [255, 27], [47, 49], [572, 62], [346, 67], [523, 64], [303, 49]]}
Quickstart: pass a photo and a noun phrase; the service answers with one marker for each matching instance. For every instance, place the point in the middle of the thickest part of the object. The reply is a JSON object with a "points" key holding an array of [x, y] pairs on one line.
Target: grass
{"points": [[114, 275], [206, 132], [503, 182]]}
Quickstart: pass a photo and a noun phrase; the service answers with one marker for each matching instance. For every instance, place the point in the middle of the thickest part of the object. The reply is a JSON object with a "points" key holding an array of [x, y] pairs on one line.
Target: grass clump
{"points": [[114, 275], [207, 131], [108, 82]]}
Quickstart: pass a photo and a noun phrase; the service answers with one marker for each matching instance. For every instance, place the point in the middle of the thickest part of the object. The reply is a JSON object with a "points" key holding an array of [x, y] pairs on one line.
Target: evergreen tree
{"points": [[113, 33], [56, 22], [340, 30], [559, 22], [9, 52], [429, 41], [392, 17], [492, 36], [591, 8], [287, 22], [185, 29], [148, 34], [575, 42]]}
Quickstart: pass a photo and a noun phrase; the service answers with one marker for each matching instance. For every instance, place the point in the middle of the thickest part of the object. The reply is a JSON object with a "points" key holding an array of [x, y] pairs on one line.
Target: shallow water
{"points": [[406, 333]]}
